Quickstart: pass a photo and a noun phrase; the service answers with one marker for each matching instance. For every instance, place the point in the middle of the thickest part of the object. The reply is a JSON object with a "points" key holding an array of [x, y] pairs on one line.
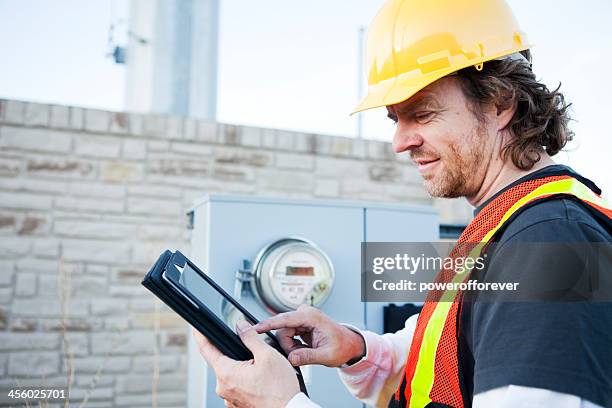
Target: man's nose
{"points": [[406, 139]]}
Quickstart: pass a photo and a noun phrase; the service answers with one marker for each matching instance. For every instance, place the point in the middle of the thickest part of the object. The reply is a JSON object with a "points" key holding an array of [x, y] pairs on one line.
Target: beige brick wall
{"points": [[88, 200]]}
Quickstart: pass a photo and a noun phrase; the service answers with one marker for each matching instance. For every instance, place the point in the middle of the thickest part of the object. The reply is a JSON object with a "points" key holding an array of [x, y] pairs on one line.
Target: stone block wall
{"points": [[89, 199]]}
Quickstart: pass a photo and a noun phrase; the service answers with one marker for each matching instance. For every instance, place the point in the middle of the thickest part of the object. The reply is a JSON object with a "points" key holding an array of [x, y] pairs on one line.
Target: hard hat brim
{"points": [[395, 91], [404, 87]]}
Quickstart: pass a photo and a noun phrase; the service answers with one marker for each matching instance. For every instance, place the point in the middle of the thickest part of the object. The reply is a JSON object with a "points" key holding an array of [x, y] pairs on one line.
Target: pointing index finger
{"points": [[282, 321]]}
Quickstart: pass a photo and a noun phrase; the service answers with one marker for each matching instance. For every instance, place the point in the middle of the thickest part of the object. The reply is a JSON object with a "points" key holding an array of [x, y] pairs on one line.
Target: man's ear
{"points": [[504, 115]]}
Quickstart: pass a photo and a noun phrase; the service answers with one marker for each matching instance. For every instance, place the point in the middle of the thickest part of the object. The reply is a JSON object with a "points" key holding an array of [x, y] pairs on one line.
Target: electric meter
{"points": [[290, 272]]}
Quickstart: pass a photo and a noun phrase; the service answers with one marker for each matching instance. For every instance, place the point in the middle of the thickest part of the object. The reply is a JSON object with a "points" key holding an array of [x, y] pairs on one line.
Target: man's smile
{"points": [[425, 164]]}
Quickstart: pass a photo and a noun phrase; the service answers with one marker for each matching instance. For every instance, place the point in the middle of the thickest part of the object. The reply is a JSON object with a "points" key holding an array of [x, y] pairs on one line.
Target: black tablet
{"points": [[192, 294]]}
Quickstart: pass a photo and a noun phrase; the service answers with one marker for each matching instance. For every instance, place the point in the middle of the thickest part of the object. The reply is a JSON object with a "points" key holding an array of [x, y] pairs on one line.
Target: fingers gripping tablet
{"points": [[199, 300]]}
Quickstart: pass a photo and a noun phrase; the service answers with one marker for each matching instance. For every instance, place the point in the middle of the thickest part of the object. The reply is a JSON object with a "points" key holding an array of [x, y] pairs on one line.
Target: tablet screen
{"points": [[210, 297]]}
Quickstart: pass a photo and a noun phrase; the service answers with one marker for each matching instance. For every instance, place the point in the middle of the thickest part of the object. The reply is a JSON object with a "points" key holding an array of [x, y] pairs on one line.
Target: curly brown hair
{"points": [[540, 122]]}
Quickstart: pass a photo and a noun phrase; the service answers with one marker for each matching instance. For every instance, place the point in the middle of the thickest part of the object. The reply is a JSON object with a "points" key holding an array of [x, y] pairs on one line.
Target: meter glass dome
{"points": [[291, 272]]}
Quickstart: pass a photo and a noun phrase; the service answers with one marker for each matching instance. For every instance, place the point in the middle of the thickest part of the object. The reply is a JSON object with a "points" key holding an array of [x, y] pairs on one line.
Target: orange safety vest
{"points": [[432, 376]]}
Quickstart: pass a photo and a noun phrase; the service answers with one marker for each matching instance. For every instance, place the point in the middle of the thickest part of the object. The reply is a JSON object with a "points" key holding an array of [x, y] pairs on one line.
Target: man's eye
{"points": [[393, 118], [423, 117]]}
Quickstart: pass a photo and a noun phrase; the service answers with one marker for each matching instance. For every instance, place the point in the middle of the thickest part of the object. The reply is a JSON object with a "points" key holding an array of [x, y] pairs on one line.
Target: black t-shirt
{"points": [[561, 346]]}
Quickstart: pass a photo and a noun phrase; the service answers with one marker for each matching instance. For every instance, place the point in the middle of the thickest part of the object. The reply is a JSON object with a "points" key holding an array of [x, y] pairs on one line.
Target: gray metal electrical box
{"points": [[229, 229]]}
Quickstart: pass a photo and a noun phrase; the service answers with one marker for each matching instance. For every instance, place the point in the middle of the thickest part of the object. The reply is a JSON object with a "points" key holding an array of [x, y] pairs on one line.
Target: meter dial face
{"points": [[292, 272]]}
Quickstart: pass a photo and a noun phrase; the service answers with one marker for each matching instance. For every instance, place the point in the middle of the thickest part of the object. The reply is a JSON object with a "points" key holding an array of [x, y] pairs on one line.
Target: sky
{"points": [[294, 65]]}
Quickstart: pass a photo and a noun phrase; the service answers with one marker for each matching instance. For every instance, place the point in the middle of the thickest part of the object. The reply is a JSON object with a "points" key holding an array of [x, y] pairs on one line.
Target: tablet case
{"points": [[199, 316], [225, 340]]}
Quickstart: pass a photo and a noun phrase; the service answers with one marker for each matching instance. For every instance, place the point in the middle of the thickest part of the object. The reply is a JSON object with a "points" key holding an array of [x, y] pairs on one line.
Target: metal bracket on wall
{"points": [[190, 216], [243, 280]]}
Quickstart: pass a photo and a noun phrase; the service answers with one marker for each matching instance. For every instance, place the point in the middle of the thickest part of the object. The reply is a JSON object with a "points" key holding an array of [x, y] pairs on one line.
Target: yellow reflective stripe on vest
{"points": [[422, 381], [565, 186]]}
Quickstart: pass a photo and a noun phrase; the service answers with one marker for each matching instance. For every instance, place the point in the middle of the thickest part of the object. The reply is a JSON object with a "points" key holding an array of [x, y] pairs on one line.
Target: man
{"points": [[455, 76]]}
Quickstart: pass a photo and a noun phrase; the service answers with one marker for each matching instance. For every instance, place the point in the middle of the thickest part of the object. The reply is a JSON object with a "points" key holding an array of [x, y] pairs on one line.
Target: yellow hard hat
{"points": [[412, 43]]}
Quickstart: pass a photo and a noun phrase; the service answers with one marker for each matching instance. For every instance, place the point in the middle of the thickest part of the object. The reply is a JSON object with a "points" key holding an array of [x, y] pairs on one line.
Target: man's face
{"points": [[446, 141]]}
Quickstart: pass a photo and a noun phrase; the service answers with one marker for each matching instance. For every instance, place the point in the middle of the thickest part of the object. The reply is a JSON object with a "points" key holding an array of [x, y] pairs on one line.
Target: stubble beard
{"points": [[460, 167]]}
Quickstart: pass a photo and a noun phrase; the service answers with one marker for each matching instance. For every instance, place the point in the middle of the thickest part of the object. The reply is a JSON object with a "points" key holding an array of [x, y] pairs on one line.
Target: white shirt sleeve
{"points": [[301, 401], [374, 378]]}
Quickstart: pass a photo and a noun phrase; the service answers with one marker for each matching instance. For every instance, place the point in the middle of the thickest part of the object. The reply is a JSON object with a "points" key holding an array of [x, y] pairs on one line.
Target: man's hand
{"points": [[326, 342], [267, 380]]}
